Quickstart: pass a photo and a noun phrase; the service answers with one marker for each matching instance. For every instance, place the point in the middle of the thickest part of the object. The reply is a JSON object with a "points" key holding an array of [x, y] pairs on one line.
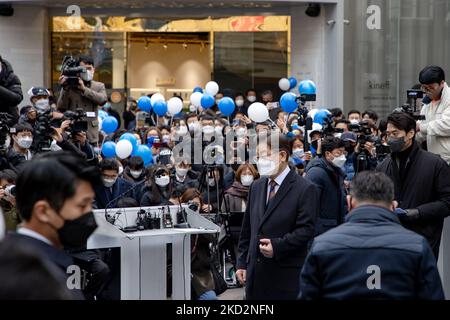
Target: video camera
{"points": [[328, 129], [78, 122], [72, 71], [411, 109], [43, 134], [364, 133]]}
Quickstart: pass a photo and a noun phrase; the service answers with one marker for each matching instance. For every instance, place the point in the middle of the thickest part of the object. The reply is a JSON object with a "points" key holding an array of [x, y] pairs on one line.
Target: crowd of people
{"points": [[328, 201]]}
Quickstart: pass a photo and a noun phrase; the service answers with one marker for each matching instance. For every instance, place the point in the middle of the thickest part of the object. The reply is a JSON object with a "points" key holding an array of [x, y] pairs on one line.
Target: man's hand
{"points": [[57, 115], [57, 134], [62, 81], [370, 147], [206, 208], [308, 156], [81, 85], [2, 193], [266, 248], [241, 275]]}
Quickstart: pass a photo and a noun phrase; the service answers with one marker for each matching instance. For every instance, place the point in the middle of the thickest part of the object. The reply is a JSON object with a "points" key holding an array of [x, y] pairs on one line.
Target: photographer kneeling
{"points": [[86, 94]]}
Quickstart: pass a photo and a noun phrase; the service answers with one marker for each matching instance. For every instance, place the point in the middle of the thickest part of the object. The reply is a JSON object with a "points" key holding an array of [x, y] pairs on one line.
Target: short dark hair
{"points": [[336, 112], [431, 74], [127, 202], [331, 143], [249, 90], [109, 164], [372, 115], [8, 175], [23, 127], [372, 186], [353, 112], [135, 162], [282, 140], [86, 60], [52, 177], [343, 121], [402, 121], [191, 115], [267, 92]]}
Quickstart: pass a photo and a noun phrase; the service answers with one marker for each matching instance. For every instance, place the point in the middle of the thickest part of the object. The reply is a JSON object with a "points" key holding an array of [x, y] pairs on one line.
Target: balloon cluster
{"points": [[159, 105], [205, 99], [127, 146]]}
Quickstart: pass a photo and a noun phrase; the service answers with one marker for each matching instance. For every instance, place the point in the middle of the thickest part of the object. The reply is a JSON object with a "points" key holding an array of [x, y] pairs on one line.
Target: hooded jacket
{"points": [[10, 90]]}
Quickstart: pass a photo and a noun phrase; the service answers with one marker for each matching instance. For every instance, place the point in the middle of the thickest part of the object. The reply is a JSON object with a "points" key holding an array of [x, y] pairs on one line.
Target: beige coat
{"points": [[89, 100]]}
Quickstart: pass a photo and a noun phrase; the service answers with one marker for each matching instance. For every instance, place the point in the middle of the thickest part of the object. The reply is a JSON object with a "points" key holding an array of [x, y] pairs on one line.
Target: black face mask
{"points": [[315, 144], [75, 233]]}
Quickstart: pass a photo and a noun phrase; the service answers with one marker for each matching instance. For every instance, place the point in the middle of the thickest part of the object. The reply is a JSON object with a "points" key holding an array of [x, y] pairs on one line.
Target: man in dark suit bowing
{"points": [[278, 224]]}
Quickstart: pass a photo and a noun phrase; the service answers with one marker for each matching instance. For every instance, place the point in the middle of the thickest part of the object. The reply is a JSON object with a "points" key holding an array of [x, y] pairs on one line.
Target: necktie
{"points": [[272, 191]]}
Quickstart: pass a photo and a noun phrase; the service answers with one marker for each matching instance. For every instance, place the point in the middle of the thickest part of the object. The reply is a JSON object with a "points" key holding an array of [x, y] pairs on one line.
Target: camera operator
{"points": [[436, 126], [8, 199], [20, 151], [88, 95], [10, 90], [365, 150]]}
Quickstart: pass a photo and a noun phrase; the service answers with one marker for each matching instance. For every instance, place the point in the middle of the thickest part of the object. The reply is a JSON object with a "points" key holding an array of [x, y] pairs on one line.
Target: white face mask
{"points": [[217, 101], [120, 170], [194, 127], [88, 75], [42, 105], [251, 98], [354, 121], [182, 130], [218, 130], [338, 135], [162, 181], [266, 167], [211, 182], [339, 162], [241, 131], [239, 103], [25, 142], [8, 141], [247, 180], [298, 153], [181, 172], [108, 183], [192, 108], [208, 130], [165, 138], [135, 173]]}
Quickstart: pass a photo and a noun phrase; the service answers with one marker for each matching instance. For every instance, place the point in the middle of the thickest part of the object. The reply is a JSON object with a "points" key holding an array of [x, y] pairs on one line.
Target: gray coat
{"points": [[89, 100]]}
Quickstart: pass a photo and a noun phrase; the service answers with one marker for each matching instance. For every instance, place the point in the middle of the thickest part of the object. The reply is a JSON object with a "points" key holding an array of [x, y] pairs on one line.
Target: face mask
{"points": [[25, 142], [162, 181], [350, 149], [120, 170], [354, 122], [219, 130], [211, 182], [246, 180], [166, 139], [75, 233], [42, 105], [181, 172], [88, 75], [396, 144], [339, 162], [136, 174], [217, 101], [239, 103], [208, 130], [338, 135], [315, 144], [193, 127], [182, 130], [166, 121], [8, 141], [192, 108], [266, 167], [251, 98], [298, 153], [108, 183]]}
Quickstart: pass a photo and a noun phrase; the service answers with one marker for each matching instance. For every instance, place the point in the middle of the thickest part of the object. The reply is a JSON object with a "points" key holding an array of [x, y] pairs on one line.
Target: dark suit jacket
{"points": [[289, 221], [103, 195], [57, 258]]}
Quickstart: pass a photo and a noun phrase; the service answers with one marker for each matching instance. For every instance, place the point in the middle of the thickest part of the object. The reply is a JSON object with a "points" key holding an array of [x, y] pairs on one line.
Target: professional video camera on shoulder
{"points": [[411, 108], [78, 120], [71, 69]]}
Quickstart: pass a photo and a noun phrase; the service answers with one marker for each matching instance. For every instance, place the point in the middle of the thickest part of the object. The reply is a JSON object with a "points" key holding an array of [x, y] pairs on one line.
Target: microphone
{"points": [[181, 214], [308, 128], [110, 219]]}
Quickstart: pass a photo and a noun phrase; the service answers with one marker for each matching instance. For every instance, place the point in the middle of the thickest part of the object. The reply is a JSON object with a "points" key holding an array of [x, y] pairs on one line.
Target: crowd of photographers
{"points": [[329, 157]]}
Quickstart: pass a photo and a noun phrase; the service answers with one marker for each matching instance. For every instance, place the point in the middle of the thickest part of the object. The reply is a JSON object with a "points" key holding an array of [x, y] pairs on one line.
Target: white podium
{"points": [[143, 254]]}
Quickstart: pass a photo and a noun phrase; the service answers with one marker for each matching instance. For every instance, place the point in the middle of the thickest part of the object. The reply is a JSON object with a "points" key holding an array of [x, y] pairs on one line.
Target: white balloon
{"points": [[284, 84], [157, 97], [196, 99], [258, 112], [212, 88], [174, 105], [313, 113], [124, 148]]}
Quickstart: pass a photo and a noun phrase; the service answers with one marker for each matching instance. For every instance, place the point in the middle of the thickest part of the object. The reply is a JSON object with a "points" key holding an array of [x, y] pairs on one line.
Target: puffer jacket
{"points": [[10, 91]]}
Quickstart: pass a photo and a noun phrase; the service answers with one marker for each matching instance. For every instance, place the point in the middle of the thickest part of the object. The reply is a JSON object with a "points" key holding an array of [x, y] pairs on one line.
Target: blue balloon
{"points": [[288, 102], [145, 153], [321, 116], [293, 82], [226, 106], [109, 149], [144, 103], [109, 125], [198, 89], [207, 101], [307, 87], [160, 108], [130, 137]]}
